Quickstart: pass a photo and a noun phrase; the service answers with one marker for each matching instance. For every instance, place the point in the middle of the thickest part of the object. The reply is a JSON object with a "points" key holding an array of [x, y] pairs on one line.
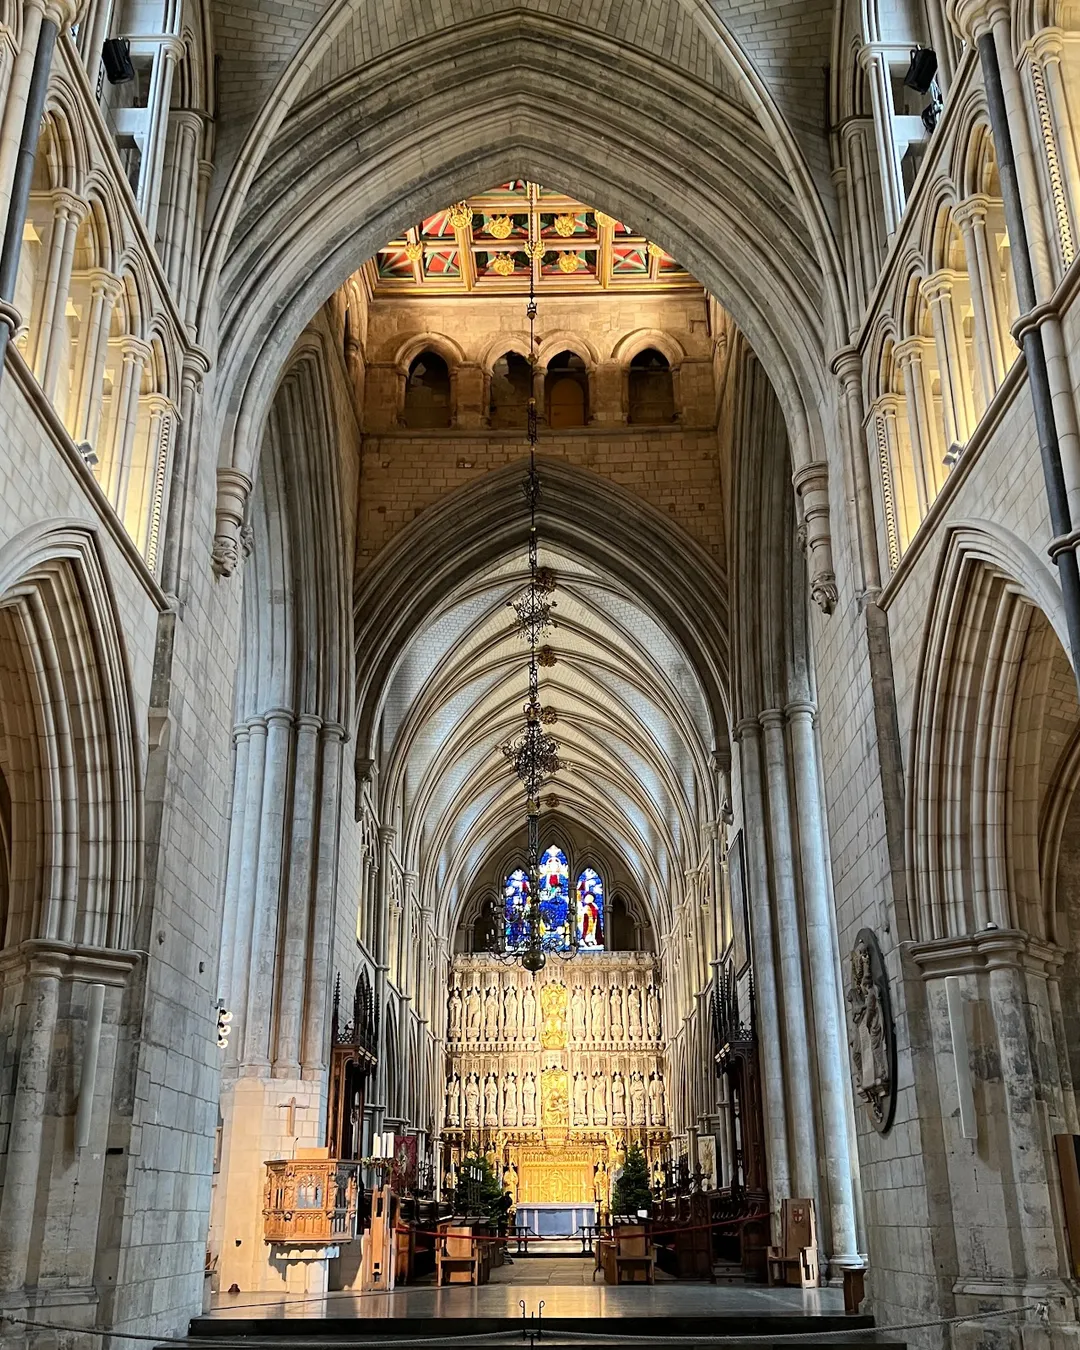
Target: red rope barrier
{"points": [[535, 1237]]}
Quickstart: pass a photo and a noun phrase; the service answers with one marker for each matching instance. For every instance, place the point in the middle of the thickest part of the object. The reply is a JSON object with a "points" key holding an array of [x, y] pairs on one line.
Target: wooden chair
{"points": [[635, 1257], [795, 1260], [458, 1259]]}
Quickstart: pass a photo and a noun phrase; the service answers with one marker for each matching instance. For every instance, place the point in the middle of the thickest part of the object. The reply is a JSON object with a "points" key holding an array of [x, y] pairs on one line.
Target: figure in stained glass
{"points": [[517, 899], [555, 895], [590, 909], [554, 898]]}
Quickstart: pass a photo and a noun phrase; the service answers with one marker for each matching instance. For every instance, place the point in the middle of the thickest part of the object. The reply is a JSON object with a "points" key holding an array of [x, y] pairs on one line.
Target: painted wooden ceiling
{"points": [[490, 244]]}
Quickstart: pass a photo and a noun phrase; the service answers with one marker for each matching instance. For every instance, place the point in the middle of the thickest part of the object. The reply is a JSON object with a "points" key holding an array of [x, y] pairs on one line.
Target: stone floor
{"points": [[565, 1292]]}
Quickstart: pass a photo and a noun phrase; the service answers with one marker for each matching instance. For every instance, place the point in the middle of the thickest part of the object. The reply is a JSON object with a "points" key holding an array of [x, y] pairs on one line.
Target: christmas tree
{"points": [[632, 1187]]}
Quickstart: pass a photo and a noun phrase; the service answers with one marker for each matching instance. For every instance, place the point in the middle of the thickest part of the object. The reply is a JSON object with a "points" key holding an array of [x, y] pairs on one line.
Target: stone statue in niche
{"points": [[491, 1100], [528, 1100], [633, 1013], [599, 1014], [454, 1014], [453, 1100], [472, 1103], [653, 999], [577, 1014], [599, 1098], [873, 1042], [637, 1099], [528, 1014], [511, 1014], [510, 1099], [656, 1099], [618, 1021], [618, 1099], [491, 1014], [581, 1105], [472, 1013]]}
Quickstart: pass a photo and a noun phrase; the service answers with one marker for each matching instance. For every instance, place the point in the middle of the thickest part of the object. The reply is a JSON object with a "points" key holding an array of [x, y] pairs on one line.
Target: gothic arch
{"points": [[972, 805], [70, 751], [725, 237]]}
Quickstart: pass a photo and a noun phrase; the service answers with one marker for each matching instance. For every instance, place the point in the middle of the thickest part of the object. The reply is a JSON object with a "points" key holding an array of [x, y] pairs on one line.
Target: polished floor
{"points": [[565, 1292]]}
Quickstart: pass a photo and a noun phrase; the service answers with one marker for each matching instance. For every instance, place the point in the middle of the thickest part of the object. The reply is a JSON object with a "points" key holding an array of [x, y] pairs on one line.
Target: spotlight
{"points": [[921, 71], [89, 454], [116, 58]]}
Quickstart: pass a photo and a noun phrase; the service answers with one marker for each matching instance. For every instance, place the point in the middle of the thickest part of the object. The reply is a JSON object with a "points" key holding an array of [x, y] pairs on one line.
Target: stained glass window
{"points": [[555, 895], [590, 909], [554, 872], [517, 896]]}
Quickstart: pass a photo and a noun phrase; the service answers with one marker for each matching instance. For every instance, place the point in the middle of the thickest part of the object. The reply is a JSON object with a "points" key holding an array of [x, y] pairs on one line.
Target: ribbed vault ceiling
{"points": [[633, 725]]}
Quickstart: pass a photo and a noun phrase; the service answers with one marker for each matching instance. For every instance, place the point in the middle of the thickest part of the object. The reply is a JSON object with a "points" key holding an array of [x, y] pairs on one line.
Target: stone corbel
{"points": [[811, 483], [234, 488]]}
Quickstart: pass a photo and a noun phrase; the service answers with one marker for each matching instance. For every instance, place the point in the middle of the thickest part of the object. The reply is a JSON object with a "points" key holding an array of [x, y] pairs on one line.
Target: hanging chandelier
{"points": [[533, 753]]}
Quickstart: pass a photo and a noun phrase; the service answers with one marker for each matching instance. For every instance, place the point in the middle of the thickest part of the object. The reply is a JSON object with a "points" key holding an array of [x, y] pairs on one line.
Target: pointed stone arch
{"points": [[973, 799], [71, 757]]}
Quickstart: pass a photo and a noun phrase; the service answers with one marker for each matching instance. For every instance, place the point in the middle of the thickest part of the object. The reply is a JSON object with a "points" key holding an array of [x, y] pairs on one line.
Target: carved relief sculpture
{"points": [[633, 1013], [472, 1013], [528, 1100], [653, 999], [577, 1014], [599, 1014], [873, 1044], [581, 1105], [618, 1021], [599, 1098], [491, 1014], [656, 1099], [554, 1105], [472, 1103], [553, 1009], [453, 1100], [618, 1099], [528, 1014], [637, 1099], [511, 1014], [510, 1099], [491, 1100], [454, 1014]]}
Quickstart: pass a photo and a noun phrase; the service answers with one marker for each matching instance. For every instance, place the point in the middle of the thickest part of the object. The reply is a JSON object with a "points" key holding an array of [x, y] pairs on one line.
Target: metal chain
{"points": [[777, 1338]]}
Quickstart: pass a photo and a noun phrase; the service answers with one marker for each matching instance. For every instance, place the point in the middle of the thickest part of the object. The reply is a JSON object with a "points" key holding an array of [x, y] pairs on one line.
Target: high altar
{"points": [[557, 1073]]}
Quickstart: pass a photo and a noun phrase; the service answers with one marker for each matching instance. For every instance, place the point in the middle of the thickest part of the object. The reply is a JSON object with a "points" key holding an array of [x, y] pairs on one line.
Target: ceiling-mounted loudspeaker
{"points": [[923, 68], [116, 58]]}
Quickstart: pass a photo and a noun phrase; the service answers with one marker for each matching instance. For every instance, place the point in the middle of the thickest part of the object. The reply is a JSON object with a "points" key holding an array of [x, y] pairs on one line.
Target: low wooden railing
{"points": [[310, 1201]]}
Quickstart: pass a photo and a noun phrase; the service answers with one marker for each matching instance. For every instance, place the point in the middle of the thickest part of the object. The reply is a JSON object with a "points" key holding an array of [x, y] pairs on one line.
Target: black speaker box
{"points": [[116, 58]]}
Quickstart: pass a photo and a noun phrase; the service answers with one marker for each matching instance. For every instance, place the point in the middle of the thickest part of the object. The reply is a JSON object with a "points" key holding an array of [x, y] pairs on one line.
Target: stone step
{"points": [[587, 1333]]}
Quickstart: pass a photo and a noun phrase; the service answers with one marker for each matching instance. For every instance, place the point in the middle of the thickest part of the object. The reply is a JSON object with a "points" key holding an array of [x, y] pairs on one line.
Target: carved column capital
{"points": [[234, 488], [972, 18], [811, 483]]}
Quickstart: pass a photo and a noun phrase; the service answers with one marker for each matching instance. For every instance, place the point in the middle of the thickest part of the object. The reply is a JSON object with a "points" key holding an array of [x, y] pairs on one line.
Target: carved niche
{"points": [[873, 1038]]}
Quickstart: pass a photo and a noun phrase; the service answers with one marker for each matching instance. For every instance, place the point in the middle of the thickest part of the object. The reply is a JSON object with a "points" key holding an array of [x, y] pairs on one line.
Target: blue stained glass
{"points": [[555, 896], [517, 897], [554, 874], [590, 909]]}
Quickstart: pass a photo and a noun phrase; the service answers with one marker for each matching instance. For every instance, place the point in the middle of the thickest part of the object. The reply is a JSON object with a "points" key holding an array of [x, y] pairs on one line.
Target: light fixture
{"points": [[534, 752]]}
